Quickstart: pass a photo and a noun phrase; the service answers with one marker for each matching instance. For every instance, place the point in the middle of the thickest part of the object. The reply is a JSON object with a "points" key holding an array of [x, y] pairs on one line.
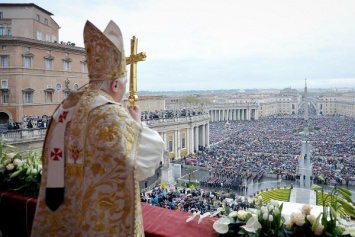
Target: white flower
{"points": [[39, 167], [265, 216], [221, 225], [258, 212], [1, 166], [194, 214], [306, 209], [252, 225], [203, 217], [218, 211], [233, 214], [298, 218], [10, 155], [289, 224], [276, 210], [319, 230], [263, 209], [311, 219], [242, 215], [270, 207], [34, 171], [17, 162], [271, 218], [10, 167], [7, 161], [349, 231], [274, 202]]}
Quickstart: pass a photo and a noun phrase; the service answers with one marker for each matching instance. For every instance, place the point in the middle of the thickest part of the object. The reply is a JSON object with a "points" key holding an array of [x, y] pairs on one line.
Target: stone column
{"points": [[207, 135], [196, 132], [192, 140], [178, 144], [163, 136], [176, 141], [187, 142], [203, 135]]}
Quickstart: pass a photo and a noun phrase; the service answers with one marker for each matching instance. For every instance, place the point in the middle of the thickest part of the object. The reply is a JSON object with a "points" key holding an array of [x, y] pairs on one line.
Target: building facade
{"points": [[339, 103], [36, 71]]}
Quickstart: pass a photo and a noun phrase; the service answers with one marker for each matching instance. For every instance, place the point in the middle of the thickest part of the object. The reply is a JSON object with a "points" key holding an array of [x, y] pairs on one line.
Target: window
{"points": [[170, 146], [4, 61], [4, 47], [75, 87], [66, 93], [27, 60], [48, 63], [84, 67], [5, 96], [45, 21], [4, 84], [27, 96], [39, 35], [2, 29], [27, 49], [49, 97], [38, 18], [58, 86], [48, 93], [48, 37], [66, 66], [1, 15]]}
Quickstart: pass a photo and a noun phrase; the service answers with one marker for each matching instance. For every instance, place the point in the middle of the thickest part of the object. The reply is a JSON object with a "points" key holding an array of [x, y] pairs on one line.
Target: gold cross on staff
{"points": [[133, 59]]}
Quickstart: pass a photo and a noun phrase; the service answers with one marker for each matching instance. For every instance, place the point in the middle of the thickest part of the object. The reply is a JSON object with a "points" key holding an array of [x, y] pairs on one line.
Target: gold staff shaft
{"points": [[133, 59]]}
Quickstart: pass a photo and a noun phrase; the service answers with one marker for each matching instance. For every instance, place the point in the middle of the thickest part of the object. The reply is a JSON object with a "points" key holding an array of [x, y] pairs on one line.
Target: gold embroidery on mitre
{"points": [[104, 52]]}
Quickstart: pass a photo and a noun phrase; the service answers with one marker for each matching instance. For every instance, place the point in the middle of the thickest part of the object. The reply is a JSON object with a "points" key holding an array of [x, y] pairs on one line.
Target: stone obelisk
{"points": [[306, 129]]}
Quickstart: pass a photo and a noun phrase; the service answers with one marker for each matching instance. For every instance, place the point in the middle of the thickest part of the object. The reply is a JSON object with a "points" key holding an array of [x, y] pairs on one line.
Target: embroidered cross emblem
{"points": [[56, 154], [62, 116]]}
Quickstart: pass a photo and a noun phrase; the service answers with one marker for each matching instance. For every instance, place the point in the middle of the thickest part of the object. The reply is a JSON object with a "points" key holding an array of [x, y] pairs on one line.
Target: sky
{"points": [[225, 44]]}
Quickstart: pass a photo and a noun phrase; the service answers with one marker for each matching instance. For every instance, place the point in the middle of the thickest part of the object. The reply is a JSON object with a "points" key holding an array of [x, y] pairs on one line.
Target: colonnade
{"points": [[229, 114], [184, 136]]}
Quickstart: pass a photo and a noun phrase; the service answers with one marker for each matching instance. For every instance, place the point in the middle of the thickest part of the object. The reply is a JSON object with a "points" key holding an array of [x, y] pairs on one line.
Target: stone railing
{"points": [[23, 135], [167, 121]]}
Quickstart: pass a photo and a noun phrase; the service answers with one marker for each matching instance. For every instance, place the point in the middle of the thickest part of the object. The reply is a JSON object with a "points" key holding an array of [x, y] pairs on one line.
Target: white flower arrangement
{"points": [[20, 171]]}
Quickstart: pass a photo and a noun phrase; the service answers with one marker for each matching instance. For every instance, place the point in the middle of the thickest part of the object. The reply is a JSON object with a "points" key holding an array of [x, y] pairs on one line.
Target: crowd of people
{"points": [[272, 145], [190, 200], [30, 121]]}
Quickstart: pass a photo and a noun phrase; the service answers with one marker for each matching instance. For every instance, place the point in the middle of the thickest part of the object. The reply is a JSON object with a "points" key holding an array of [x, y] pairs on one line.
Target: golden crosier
{"points": [[133, 59]]}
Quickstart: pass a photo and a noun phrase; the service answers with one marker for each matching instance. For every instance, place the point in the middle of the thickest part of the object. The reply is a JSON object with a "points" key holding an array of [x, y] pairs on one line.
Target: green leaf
{"points": [[333, 213], [344, 190], [348, 208], [321, 178], [316, 222], [16, 173], [345, 194], [316, 187]]}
